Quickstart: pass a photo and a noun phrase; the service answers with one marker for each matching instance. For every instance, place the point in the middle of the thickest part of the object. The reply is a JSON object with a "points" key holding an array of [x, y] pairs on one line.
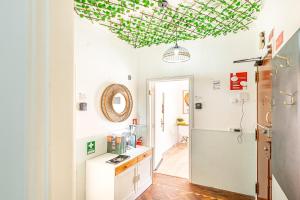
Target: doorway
{"points": [[170, 121]]}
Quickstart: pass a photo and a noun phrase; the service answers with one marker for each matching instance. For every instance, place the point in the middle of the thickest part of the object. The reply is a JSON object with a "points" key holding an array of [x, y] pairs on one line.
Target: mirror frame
{"points": [[107, 103]]}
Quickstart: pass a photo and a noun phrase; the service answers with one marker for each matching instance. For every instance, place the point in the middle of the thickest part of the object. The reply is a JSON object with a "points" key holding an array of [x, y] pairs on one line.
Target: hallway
{"points": [[150, 100], [176, 161]]}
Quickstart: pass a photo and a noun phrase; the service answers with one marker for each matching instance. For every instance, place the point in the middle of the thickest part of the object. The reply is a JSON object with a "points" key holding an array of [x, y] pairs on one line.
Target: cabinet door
{"points": [[125, 187], [144, 174]]}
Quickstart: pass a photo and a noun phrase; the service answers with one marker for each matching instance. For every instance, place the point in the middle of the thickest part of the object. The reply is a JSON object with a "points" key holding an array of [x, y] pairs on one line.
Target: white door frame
{"points": [[150, 132], [50, 143]]}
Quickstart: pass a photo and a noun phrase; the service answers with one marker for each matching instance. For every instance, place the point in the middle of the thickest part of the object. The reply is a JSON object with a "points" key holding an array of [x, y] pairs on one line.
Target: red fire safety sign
{"points": [[238, 81]]}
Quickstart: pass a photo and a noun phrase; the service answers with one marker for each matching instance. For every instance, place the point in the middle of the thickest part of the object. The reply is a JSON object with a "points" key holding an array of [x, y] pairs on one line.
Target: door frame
{"points": [[50, 143], [266, 60], [151, 113]]}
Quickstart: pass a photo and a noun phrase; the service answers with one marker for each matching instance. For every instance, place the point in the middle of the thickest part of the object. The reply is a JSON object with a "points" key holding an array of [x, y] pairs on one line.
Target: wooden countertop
{"points": [[133, 153]]}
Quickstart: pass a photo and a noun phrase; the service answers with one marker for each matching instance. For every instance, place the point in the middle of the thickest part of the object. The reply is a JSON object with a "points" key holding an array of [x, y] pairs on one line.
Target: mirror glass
{"points": [[119, 103]]}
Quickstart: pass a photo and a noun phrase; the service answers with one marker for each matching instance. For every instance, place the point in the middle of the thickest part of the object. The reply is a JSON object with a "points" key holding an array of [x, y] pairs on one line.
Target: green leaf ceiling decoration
{"points": [[144, 22]]}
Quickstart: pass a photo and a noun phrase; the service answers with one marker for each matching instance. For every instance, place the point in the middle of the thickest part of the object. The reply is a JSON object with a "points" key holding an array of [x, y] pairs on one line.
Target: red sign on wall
{"points": [[279, 41], [238, 81], [271, 35]]}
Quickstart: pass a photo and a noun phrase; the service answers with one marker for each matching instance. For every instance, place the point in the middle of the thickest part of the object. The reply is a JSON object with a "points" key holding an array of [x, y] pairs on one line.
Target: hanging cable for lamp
{"points": [[240, 136]]}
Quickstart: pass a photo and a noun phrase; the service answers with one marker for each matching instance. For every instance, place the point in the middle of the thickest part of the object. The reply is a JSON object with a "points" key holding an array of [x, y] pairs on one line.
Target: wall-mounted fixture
{"points": [[287, 60], [281, 62], [262, 40], [116, 103], [198, 106], [216, 85], [240, 97], [258, 61], [291, 98], [82, 105]]}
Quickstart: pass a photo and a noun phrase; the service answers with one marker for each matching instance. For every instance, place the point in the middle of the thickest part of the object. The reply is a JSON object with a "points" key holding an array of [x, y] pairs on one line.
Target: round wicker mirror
{"points": [[116, 103]]}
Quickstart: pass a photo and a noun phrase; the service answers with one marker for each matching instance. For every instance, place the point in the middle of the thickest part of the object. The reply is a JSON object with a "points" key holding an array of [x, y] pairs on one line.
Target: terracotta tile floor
{"points": [[172, 188]]}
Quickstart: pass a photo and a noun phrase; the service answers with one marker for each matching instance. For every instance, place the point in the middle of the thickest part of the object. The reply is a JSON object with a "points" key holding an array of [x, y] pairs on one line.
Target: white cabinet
{"points": [[125, 184], [144, 174], [134, 181], [124, 181]]}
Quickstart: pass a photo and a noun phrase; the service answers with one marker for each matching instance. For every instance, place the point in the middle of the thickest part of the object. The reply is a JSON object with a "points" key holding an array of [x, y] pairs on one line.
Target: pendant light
{"points": [[176, 54]]}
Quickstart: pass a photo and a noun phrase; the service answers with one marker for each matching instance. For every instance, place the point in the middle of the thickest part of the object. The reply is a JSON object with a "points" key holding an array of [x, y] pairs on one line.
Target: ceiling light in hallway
{"points": [[176, 54]]}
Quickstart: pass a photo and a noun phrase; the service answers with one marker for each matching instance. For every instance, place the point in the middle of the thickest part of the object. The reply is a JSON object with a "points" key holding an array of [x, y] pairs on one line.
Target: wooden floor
{"points": [[167, 187], [176, 161]]}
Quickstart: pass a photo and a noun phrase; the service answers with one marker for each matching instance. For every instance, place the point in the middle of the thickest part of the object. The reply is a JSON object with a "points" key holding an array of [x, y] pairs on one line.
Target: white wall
{"points": [[14, 88], [101, 59], [282, 16], [212, 59], [173, 109]]}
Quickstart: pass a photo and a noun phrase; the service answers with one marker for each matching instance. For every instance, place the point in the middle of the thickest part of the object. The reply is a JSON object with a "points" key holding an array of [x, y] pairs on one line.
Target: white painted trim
{"points": [[190, 78], [37, 143], [50, 170], [62, 170]]}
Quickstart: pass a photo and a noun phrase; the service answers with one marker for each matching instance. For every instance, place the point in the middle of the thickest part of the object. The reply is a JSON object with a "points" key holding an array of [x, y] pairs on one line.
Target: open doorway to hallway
{"points": [[169, 114]]}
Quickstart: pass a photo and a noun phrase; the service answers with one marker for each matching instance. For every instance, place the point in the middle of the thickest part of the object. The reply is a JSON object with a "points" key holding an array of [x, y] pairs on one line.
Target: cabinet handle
{"points": [[136, 178]]}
